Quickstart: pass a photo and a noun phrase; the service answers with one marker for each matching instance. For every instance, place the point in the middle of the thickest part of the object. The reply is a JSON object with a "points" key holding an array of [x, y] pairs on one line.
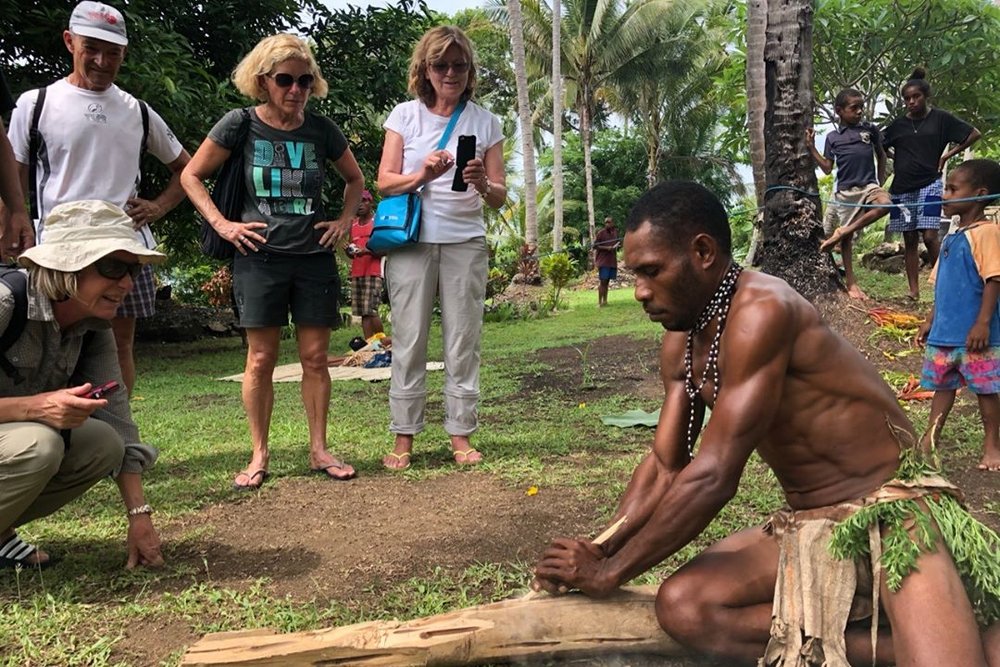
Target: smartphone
{"points": [[103, 390], [466, 151]]}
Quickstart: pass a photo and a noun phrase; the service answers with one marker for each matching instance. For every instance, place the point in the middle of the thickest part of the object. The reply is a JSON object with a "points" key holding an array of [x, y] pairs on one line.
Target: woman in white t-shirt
{"points": [[450, 261]]}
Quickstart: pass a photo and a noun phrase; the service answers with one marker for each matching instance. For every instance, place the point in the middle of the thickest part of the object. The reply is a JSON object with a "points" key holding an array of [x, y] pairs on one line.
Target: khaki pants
{"points": [[455, 273], [39, 474]]}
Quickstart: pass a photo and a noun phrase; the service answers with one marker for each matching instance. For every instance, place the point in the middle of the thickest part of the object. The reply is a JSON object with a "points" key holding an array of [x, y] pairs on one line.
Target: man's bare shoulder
{"points": [[764, 304]]}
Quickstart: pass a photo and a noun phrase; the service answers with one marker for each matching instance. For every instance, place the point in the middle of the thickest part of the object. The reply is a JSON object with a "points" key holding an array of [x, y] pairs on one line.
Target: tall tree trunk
{"points": [[792, 228], [524, 115], [557, 114], [588, 168], [756, 105]]}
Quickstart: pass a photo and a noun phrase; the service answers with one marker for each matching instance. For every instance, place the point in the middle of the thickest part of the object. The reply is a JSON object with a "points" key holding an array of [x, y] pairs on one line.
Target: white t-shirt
{"points": [[446, 216], [89, 146]]}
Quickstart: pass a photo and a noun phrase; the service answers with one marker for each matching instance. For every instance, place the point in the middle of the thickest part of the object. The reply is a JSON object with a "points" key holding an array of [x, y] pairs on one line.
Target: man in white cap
{"points": [[90, 139], [57, 439]]}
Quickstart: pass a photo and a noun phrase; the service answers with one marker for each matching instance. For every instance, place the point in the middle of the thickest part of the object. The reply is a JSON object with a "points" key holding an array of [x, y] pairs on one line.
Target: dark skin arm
{"points": [[979, 334], [880, 162], [825, 164], [756, 351], [973, 137]]}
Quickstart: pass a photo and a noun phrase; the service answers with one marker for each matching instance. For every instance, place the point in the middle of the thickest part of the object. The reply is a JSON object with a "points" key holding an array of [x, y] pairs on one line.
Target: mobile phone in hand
{"points": [[103, 390], [466, 151]]}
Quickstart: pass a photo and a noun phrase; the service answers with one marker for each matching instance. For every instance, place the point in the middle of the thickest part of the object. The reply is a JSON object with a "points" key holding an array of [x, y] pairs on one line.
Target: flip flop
{"points": [[15, 552], [399, 458], [250, 486], [462, 456], [338, 465]]}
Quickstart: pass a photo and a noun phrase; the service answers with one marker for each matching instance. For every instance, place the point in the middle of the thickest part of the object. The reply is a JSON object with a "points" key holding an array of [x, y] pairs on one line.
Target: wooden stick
{"points": [[606, 535]]}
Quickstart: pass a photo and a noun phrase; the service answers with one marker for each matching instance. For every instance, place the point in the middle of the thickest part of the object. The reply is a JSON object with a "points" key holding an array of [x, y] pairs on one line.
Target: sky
{"points": [[443, 6]]}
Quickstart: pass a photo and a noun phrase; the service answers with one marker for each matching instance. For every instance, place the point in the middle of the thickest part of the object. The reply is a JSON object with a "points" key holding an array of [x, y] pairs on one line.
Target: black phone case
{"points": [[466, 151]]}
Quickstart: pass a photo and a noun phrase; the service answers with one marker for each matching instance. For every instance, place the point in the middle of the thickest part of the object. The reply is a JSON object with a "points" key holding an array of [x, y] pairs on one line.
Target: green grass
{"points": [[75, 614]]}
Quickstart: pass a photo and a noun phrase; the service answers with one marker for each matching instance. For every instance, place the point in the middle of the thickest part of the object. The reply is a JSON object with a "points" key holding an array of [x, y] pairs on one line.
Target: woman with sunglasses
{"points": [[58, 436], [284, 240], [450, 261]]}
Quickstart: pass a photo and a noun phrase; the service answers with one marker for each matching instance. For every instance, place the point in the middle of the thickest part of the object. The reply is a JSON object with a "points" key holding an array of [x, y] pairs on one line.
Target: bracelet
{"points": [[141, 509], [489, 189]]}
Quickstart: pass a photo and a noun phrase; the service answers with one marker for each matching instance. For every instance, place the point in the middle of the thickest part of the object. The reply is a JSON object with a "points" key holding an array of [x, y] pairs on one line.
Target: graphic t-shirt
{"points": [[284, 171]]}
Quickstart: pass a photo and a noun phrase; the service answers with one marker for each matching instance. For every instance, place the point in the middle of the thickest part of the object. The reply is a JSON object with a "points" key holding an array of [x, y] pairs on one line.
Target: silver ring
{"points": [[242, 238]]}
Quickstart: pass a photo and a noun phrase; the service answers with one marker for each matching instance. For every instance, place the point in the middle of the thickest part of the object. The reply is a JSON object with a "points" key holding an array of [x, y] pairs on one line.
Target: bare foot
{"points": [[463, 451], [831, 242], [855, 292], [990, 462], [399, 457]]}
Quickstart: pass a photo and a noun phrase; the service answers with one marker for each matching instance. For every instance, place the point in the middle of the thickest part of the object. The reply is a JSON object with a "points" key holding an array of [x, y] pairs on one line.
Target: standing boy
{"points": [[606, 246], [855, 147], [366, 270], [962, 332]]}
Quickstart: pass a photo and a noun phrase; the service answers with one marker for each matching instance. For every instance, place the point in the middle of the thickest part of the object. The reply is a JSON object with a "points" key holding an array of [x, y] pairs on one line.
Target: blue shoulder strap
{"points": [[451, 125]]}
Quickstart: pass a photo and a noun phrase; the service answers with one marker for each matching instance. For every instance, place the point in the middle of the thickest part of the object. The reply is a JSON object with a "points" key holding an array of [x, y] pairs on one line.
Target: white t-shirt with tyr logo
{"points": [[89, 146]]}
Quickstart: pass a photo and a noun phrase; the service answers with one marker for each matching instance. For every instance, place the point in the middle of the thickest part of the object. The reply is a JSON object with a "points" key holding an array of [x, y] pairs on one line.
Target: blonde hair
{"points": [[52, 284], [431, 48], [268, 54]]}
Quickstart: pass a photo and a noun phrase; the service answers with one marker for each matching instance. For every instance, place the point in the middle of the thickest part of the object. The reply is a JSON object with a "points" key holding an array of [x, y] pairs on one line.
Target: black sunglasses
{"points": [[115, 269], [285, 80], [442, 68]]}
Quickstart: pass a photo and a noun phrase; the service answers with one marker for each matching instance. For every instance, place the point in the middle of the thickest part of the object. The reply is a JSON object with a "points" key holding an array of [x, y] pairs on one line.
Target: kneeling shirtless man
{"points": [[779, 381]]}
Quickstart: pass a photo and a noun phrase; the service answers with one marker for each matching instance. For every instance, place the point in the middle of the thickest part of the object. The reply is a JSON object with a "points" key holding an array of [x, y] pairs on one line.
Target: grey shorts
{"points": [[269, 286], [141, 301]]}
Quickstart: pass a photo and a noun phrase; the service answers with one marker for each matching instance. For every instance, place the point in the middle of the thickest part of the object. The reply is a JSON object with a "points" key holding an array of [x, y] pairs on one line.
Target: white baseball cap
{"points": [[100, 21]]}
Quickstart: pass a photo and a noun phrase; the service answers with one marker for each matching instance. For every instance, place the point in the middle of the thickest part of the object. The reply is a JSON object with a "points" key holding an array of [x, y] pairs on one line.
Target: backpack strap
{"points": [[17, 282], [34, 144]]}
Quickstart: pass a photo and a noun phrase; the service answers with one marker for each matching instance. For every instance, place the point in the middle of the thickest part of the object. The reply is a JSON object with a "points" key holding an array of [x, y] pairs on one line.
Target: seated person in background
{"points": [[55, 441]]}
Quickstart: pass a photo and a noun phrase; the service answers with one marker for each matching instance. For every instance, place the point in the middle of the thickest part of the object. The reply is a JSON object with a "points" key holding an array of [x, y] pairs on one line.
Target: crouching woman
{"points": [[57, 439]]}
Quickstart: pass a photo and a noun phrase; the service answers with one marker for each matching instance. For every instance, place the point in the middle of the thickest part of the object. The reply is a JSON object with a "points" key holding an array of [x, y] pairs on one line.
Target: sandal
{"points": [[250, 486], [14, 553], [467, 457], [402, 461]]}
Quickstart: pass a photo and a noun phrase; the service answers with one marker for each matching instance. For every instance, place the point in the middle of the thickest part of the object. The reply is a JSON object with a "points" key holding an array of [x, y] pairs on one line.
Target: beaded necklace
{"points": [[717, 309]]}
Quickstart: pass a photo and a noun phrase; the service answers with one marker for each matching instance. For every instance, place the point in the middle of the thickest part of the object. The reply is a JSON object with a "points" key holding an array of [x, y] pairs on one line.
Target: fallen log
{"points": [[569, 626]]}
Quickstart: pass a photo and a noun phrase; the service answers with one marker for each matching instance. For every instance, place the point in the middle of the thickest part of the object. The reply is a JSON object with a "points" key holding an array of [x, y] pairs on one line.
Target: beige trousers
{"points": [[39, 473]]}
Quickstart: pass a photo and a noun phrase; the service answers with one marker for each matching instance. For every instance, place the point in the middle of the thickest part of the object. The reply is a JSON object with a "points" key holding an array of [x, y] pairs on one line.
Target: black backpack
{"points": [[17, 282]]}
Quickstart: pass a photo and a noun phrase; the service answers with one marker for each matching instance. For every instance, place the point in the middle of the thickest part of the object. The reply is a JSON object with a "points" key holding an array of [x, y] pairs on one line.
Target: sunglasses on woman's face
{"points": [[285, 80], [115, 269], [442, 68]]}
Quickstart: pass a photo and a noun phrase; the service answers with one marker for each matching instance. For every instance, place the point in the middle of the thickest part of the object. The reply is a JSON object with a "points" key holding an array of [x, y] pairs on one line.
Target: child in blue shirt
{"points": [[855, 147], [962, 332]]}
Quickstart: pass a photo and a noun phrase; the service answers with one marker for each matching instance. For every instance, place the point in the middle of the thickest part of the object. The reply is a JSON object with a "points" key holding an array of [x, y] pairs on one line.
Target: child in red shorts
{"points": [[962, 332]]}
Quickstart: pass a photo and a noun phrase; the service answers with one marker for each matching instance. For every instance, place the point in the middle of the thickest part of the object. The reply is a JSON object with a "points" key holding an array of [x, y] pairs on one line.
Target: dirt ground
{"points": [[314, 539]]}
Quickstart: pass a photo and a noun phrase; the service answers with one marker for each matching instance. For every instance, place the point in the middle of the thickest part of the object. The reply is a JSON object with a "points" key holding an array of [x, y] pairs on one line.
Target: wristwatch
{"points": [[141, 509]]}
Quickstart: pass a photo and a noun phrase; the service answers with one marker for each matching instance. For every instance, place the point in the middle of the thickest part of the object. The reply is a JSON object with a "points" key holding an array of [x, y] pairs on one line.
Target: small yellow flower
{"points": [[532, 491], [582, 406]]}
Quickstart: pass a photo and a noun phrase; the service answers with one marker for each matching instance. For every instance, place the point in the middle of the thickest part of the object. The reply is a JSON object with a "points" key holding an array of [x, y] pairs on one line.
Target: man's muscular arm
{"points": [[755, 352]]}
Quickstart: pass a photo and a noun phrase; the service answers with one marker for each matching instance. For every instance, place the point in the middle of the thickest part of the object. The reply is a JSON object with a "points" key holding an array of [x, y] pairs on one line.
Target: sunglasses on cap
{"points": [[285, 80], [115, 269], [442, 68]]}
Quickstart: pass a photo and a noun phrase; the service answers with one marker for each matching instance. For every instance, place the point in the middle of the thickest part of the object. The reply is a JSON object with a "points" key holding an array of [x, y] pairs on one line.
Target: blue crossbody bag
{"points": [[397, 217]]}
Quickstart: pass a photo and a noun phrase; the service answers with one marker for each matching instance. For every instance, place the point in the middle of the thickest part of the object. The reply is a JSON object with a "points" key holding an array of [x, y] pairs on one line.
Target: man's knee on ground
{"points": [[682, 609]]}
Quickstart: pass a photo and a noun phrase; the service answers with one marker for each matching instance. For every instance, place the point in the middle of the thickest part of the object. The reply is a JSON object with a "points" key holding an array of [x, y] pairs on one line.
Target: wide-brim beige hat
{"points": [[79, 233]]}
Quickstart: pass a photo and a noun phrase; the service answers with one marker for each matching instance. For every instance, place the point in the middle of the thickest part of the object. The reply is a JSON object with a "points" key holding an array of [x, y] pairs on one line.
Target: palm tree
{"points": [[557, 114], [524, 116], [600, 40], [792, 229]]}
